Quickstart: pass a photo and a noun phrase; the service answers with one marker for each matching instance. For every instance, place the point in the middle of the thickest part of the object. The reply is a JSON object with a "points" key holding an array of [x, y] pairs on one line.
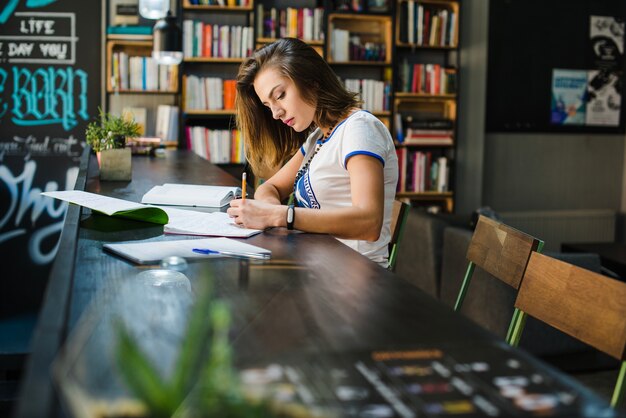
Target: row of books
{"points": [[141, 73], [305, 24], [202, 39], [376, 94], [230, 3], [346, 47], [426, 132], [424, 25], [427, 78], [209, 93], [219, 146], [422, 171]]}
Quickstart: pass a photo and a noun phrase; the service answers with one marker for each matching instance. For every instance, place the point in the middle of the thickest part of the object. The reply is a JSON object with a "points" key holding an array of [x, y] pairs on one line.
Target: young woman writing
{"points": [[343, 168]]}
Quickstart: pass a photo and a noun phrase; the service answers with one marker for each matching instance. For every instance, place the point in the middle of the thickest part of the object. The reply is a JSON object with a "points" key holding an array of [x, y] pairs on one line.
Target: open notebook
{"points": [[175, 221], [151, 252], [191, 195]]}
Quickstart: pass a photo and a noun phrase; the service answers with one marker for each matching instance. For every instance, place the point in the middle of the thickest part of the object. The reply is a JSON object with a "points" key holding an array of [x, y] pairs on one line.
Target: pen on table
{"points": [[243, 186], [245, 254]]}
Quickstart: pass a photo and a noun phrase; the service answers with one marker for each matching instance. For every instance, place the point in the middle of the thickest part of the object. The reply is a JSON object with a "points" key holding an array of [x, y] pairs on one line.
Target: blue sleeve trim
{"points": [[368, 153], [302, 150]]}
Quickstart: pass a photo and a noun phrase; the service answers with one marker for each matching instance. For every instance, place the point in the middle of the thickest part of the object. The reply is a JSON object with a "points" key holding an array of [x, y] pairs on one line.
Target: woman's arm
{"points": [[363, 220], [280, 185]]}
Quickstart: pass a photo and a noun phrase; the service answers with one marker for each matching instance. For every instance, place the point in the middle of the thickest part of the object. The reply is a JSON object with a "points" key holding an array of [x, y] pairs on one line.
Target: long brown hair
{"points": [[269, 142]]}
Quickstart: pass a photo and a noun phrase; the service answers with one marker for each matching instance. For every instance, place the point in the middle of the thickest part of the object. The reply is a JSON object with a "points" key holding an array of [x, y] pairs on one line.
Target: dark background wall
{"points": [[520, 170]]}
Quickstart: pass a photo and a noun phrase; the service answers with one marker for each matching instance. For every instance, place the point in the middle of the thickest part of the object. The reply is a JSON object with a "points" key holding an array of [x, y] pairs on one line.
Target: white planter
{"points": [[116, 164]]}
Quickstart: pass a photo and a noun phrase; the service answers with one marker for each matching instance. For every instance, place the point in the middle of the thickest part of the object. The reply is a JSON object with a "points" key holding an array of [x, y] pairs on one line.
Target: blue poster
{"points": [[569, 92]]}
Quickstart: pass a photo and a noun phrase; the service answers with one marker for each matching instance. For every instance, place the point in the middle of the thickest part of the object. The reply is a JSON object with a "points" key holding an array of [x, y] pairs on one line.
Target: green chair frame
{"points": [[595, 306], [503, 252], [399, 215]]}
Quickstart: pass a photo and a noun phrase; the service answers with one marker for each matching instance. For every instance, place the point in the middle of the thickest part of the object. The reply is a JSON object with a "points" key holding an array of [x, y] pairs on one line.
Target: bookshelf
{"points": [[136, 84], [425, 100], [401, 56], [216, 39]]}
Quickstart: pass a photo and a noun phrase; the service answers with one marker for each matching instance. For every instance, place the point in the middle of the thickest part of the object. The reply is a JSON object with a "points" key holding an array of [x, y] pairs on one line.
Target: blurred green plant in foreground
{"points": [[203, 382]]}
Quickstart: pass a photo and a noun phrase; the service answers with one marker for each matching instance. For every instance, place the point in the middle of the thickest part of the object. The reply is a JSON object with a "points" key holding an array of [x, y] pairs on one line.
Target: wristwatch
{"points": [[291, 216]]}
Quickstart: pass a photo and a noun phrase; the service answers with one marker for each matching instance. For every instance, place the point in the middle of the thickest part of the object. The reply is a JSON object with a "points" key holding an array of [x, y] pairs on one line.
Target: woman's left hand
{"points": [[256, 214]]}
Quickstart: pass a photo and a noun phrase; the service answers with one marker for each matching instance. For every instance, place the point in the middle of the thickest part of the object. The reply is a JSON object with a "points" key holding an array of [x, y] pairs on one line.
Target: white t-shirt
{"points": [[326, 182]]}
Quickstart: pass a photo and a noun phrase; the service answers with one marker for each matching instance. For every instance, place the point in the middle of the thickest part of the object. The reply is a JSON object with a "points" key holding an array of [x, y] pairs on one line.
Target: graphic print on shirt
{"points": [[304, 193]]}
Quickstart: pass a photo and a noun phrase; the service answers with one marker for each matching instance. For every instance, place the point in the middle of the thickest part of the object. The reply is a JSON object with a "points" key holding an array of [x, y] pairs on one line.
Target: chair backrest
{"points": [[399, 213], [500, 250], [585, 305]]}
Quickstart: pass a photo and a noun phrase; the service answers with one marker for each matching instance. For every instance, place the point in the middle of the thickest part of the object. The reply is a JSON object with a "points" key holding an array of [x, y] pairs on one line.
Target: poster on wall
{"points": [[49, 91], [606, 34], [604, 99], [569, 90]]}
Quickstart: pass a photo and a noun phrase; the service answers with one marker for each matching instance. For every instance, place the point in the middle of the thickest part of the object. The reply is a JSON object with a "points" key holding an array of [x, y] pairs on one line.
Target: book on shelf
{"points": [[167, 122], [191, 195], [175, 221]]}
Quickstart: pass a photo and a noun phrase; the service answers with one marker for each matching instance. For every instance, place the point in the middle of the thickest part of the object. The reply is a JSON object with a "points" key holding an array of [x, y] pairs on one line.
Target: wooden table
{"points": [[612, 254], [315, 297]]}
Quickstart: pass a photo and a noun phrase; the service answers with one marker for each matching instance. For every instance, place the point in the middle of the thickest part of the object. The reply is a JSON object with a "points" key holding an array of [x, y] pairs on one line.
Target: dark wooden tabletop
{"points": [[315, 295]]}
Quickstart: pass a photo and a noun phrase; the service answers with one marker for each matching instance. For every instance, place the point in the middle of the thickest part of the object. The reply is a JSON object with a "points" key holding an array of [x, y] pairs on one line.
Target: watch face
{"points": [[290, 216]]}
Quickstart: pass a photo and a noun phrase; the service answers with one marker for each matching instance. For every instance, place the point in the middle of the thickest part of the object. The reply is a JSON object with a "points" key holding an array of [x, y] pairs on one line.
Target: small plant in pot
{"points": [[107, 137]]}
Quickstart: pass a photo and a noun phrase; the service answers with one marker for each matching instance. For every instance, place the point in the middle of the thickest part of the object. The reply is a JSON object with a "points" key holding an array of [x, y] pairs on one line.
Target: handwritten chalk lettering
{"points": [[49, 96], [34, 26], [24, 197], [58, 51], [47, 146], [3, 79], [12, 4], [21, 49]]}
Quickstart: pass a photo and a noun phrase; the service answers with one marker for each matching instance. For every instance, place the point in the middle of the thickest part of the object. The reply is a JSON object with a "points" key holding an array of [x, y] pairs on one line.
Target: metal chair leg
{"points": [[464, 286]]}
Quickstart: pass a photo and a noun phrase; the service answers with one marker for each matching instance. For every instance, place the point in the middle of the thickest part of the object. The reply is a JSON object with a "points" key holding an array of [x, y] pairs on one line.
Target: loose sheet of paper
{"points": [[189, 222], [154, 251]]}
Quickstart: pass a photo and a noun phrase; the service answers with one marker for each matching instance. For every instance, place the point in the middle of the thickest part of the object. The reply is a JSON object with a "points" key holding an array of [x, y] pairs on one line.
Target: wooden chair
{"points": [[501, 251], [585, 305], [399, 213]]}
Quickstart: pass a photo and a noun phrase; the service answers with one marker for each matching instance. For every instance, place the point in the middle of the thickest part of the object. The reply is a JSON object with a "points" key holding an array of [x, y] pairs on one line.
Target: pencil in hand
{"points": [[243, 186]]}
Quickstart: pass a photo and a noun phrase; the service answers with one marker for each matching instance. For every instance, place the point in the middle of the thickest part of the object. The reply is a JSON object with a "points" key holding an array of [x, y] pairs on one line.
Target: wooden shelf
{"points": [[400, 44], [225, 112], [413, 145], [270, 40], [216, 8], [369, 28], [214, 60], [424, 96], [370, 63], [113, 91]]}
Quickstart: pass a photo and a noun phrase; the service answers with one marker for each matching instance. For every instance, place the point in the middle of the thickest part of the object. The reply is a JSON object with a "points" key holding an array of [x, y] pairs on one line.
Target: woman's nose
{"points": [[276, 112]]}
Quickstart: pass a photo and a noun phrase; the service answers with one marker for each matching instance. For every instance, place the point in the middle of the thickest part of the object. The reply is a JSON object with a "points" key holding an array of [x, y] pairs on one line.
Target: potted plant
{"points": [[107, 137]]}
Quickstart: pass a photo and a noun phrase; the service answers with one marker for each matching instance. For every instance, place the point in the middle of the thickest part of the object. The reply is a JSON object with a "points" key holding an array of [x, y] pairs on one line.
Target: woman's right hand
{"points": [[256, 214]]}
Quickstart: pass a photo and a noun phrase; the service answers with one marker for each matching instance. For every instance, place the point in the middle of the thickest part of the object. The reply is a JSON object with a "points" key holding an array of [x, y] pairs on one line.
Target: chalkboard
{"points": [[50, 69], [528, 40]]}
